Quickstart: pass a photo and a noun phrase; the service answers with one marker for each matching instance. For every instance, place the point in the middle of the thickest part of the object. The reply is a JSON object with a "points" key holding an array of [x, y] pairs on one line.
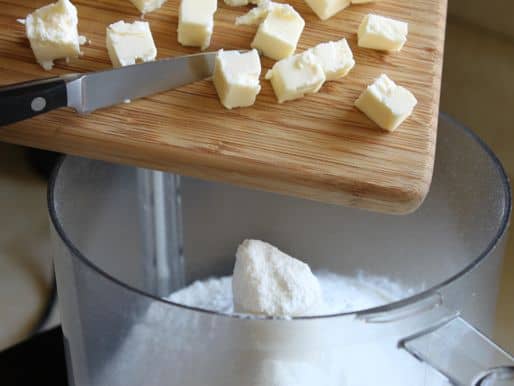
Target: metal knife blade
{"points": [[89, 92]]}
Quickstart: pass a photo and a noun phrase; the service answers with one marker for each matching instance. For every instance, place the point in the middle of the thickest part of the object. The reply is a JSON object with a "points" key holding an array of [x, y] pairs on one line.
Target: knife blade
{"points": [[106, 88], [91, 91]]}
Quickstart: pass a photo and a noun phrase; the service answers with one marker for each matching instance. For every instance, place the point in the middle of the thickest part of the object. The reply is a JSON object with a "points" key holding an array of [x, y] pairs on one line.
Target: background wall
{"points": [[495, 15], [478, 90]]}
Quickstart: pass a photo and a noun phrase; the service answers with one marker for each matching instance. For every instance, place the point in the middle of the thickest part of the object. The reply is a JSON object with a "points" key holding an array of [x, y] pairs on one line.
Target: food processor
{"points": [[125, 238]]}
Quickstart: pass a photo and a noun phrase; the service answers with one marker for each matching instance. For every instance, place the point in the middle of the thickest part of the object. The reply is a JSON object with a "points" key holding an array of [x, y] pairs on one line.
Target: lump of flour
{"points": [[267, 281]]}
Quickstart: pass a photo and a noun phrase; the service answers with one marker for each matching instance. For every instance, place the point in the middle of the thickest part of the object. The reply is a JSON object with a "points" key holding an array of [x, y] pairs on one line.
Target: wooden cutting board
{"points": [[319, 147]]}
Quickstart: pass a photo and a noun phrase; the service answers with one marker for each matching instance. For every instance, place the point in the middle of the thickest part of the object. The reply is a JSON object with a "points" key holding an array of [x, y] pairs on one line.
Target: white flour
{"points": [[267, 281], [170, 346], [340, 293]]}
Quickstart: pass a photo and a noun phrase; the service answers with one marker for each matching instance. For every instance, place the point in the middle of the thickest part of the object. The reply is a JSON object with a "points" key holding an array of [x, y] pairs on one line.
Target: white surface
{"points": [[146, 6], [53, 34], [128, 43], [295, 76], [196, 22], [327, 8], [382, 33], [269, 282], [336, 58], [236, 77], [386, 103]]}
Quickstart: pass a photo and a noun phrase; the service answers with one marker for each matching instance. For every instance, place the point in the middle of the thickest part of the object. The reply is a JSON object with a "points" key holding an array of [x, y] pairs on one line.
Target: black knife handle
{"points": [[25, 100]]}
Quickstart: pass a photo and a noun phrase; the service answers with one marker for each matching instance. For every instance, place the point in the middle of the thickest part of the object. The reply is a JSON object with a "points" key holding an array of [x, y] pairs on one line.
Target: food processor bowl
{"points": [[124, 238]]}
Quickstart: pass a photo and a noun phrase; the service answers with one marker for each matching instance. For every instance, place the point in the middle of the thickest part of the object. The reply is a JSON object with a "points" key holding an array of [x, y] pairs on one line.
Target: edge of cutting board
{"points": [[317, 187]]}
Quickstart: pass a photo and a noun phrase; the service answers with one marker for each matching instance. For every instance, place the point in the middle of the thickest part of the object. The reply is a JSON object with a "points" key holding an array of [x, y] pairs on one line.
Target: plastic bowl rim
{"points": [[374, 310]]}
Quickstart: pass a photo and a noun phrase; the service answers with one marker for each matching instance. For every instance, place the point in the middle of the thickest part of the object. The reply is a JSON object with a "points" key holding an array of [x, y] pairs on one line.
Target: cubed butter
{"points": [[327, 8], [295, 76], [195, 22], [236, 77], [146, 6], [52, 32], [382, 33], [386, 103], [279, 30], [256, 15], [128, 43], [336, 58]]}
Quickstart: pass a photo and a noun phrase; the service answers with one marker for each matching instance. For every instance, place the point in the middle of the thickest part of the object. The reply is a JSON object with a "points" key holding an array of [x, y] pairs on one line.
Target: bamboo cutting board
{"points": [[319, 147]]}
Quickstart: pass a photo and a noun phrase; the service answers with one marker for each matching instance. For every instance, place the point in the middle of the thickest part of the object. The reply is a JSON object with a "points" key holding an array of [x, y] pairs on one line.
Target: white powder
{"points": [[267, 281], [169, 346], [212, 294], [175, 346], [298, 361], [340, 293]]}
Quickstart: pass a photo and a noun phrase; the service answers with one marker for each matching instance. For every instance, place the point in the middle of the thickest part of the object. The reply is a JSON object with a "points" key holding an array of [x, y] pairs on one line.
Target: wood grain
{"points": [[319, 147]]}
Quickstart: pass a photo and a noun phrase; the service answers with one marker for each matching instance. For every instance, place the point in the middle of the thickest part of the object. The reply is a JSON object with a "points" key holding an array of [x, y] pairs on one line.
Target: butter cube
{"points": [[146, 6], [279, 30], [236, 77], [128, 43], [336, 58], [257, 14], [195, 22], [295, 76], [327, 8], [52, 32], [382, 33], [385, 103]]}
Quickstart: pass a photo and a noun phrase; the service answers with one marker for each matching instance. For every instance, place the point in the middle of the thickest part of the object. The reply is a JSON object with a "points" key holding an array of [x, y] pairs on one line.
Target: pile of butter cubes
{"points": [[53, 34]]}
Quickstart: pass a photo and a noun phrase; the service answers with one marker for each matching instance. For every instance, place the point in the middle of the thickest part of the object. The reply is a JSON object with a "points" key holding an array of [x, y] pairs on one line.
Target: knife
{"points": [[91, 91]]}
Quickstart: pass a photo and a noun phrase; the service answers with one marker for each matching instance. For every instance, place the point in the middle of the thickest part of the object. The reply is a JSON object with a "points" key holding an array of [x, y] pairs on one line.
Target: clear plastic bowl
{"points": [[125, 237]]}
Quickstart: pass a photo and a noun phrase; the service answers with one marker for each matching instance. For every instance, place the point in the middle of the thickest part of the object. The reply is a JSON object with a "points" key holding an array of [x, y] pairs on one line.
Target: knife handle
{"points": [[24, 100]]}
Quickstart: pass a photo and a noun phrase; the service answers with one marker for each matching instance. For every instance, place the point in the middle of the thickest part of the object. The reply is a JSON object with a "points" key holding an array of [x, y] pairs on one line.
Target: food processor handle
{"points": [[462, 354]]}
